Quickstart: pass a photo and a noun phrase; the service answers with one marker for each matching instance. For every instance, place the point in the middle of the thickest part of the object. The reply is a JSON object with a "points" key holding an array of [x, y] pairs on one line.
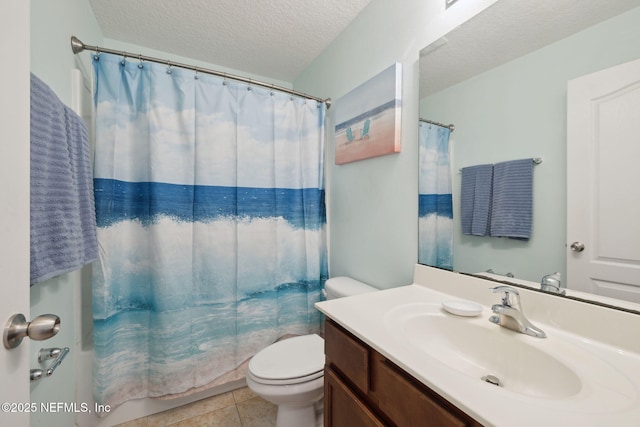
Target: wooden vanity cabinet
{"points": [[364, 389]]}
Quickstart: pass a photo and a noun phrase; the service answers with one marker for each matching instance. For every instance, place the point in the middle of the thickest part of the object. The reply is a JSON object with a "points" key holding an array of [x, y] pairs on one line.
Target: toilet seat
{"points": [[291, 361], [287, 381]]}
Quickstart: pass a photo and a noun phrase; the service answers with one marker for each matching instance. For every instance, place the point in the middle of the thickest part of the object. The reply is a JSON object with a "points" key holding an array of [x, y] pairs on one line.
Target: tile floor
{"points": [[238, 408]]}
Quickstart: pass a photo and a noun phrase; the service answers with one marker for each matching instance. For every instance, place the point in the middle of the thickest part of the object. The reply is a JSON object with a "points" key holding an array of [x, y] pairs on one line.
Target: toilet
{"points": [[290, 373]]}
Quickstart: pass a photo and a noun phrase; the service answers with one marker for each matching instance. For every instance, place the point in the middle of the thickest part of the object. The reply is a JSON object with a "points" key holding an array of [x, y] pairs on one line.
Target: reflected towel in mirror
{"points": [[512, 199], [475, 199]]}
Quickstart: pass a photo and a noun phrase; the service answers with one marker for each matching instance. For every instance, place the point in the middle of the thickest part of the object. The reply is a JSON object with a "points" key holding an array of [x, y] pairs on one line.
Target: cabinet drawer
{"points": [[347, 355], [406, 404]]}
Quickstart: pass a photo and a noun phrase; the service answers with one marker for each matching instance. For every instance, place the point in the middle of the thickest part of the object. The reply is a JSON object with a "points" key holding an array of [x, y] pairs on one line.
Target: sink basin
{"points": [[477, 348], [574, 377]]}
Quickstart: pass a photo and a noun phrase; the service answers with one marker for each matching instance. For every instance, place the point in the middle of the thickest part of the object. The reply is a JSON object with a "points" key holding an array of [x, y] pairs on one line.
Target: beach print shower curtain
{"points": [[211, 226], [435, 223]]}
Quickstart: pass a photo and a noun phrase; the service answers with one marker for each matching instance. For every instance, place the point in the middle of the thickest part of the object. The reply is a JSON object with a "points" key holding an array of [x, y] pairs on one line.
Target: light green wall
{"points": [[373, 204], [518, 110], [52, 24]]}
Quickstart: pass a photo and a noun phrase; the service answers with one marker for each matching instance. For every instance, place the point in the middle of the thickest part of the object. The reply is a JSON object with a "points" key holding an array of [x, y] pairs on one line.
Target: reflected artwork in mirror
{"points": [[502, 79]]}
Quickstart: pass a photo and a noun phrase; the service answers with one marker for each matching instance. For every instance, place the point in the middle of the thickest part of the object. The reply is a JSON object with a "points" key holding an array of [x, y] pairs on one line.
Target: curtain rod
{"points": [[77, 46], [451, 126]]}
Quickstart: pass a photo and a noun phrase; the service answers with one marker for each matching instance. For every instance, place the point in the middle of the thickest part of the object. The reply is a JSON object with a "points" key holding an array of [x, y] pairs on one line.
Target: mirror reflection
{"points": [[501, 78]]}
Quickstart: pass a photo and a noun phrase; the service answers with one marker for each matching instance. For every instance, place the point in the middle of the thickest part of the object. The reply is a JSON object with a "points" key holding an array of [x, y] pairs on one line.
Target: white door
{"points": [[14, 205], [603, 182]]}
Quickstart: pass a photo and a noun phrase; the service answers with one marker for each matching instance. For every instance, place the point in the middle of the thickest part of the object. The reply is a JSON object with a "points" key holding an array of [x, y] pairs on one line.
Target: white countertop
{"points": [[610, 373]]}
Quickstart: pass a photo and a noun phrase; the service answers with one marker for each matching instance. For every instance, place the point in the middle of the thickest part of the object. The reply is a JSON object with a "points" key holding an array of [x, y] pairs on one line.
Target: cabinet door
{"points": [[342, 408], [348, 356]]}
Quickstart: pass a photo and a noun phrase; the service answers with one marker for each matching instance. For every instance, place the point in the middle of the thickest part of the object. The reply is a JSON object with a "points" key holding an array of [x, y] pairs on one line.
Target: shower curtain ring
{"points": [[168, 67], [140, 59], [196, 75]]}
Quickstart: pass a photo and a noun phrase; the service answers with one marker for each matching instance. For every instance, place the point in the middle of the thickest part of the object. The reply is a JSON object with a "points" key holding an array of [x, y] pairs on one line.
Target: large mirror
{"points": [[501, 78]]}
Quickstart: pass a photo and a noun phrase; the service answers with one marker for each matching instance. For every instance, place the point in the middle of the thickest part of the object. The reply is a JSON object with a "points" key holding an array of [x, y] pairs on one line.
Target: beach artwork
{"points": [[368, 118]]}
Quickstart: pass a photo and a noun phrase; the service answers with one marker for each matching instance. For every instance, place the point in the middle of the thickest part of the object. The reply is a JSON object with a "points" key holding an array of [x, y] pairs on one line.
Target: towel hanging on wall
{"points": [[63, 224]]}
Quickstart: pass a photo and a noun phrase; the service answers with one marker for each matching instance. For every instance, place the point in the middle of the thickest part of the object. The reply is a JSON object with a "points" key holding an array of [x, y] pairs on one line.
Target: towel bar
{"points": [[509, 274], [55, 354], [536, 161]]}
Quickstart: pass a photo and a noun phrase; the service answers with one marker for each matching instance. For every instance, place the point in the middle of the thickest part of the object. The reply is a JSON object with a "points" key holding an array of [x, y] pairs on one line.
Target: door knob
{"points": [[577, 246], [40, 328]]}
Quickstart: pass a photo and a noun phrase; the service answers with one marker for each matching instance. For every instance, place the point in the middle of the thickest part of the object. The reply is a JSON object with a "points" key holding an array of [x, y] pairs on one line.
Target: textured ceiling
{"points": [[276, 39], [506, 30]]}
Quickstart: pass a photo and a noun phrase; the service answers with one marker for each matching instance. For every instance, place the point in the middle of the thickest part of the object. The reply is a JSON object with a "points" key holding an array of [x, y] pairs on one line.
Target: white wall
{"points": [[373, 204], [518, 110]]}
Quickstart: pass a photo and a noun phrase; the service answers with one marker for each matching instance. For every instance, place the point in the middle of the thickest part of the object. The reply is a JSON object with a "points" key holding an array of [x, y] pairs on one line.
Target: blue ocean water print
{"points": [[438, 204], [147, 201], [211, 227], [435, 222]]}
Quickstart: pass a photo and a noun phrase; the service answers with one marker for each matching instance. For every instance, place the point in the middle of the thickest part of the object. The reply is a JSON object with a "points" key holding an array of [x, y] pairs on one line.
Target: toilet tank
{"points": [[342, 286]]}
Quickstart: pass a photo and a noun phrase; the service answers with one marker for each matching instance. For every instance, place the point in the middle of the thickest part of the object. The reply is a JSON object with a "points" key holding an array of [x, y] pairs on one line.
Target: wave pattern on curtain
{"points": [[211, 226], [435, 226]]}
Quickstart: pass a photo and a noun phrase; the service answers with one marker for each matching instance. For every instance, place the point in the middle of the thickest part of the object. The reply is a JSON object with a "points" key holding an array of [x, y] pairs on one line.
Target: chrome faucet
{"points": [[551, 283], [509, 313]]}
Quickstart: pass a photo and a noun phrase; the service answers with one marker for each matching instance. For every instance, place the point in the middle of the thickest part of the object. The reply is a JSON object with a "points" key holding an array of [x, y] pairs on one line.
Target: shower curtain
{"points": [[435, 224], [211, 226]]}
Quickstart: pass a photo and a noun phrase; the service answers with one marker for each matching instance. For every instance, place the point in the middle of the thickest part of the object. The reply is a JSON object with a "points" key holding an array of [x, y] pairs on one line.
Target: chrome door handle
{"points": [[577, 246], [41, 328]]}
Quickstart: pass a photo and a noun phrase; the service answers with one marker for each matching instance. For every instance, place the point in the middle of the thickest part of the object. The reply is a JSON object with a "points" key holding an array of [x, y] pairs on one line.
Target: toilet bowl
{"points": [[290, 373]]}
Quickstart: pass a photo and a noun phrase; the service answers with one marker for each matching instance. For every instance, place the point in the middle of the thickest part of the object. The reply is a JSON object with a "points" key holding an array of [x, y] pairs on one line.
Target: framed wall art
{"points": [[368, 118]]}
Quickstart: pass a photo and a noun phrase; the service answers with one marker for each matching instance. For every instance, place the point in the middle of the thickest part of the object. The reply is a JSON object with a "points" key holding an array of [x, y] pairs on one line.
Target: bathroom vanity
{"points": [[396, 357], [363, 388]]}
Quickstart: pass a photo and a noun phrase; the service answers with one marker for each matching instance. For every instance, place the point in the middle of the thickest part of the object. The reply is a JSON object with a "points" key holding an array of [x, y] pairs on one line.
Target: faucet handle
{"points": [[552, 283], [506, 298]]}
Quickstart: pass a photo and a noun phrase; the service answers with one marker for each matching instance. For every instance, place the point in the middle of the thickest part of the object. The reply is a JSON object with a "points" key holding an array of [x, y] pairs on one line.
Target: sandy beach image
{"points": [[368, 118], [361, 140]]}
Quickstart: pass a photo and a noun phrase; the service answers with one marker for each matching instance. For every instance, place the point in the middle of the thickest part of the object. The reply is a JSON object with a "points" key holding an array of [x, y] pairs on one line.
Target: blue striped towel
{"points": [[512, 206], [63, 221], [475, 199]]}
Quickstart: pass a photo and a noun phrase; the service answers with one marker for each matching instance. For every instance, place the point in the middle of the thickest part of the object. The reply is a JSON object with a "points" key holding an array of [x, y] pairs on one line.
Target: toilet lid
{"points": [[291, 358]]}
